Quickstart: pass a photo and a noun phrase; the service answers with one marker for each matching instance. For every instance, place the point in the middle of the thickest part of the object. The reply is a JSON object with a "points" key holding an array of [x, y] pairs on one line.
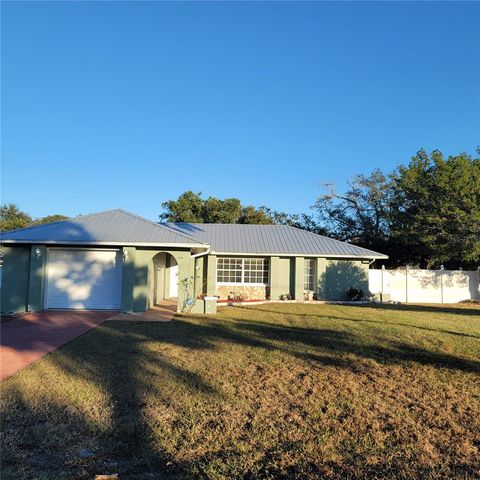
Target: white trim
{"points": [[230, 284]]}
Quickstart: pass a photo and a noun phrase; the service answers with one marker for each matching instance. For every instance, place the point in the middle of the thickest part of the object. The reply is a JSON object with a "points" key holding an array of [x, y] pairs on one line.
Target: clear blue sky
{"points": [[120, 104]]}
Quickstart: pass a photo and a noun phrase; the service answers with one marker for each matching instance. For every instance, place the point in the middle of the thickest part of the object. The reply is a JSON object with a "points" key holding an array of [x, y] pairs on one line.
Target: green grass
{"points": [[272, 391]]}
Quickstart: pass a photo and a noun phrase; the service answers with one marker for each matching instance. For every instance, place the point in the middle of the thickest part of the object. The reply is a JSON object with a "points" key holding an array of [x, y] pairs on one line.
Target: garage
{"points": [[83, 279]]}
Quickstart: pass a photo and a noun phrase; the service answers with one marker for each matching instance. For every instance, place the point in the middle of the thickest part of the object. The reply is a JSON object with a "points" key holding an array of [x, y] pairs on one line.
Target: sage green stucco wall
{"points": [[144, 276], [340, 275], [15, 276], [36, 284], [200, 276], [282, 277], [211, 275], [23, 282], [128, 279]]}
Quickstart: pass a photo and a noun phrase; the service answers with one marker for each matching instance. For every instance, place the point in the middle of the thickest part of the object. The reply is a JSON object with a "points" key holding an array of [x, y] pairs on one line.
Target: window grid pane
{"points": [[229, 270], [243, 270]]}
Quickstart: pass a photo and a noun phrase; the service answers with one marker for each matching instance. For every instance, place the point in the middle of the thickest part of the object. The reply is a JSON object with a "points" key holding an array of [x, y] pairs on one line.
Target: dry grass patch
{"points": [[271, 391]]}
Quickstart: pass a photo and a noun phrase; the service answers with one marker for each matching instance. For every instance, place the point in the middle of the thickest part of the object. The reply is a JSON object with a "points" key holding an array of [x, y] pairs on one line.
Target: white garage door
{"points": [[88, 279]]}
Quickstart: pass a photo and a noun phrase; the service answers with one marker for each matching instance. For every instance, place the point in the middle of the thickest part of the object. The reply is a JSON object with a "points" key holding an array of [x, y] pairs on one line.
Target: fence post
{"points": [[406, 283], [442, 268], [478, 285], [383, 270]]}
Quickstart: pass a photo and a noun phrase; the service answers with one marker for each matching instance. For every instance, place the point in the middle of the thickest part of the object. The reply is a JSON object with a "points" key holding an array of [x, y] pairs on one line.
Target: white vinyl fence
{"points": [[414, 285]]}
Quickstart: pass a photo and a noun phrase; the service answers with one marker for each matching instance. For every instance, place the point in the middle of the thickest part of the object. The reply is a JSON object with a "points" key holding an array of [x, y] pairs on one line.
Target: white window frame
{"points": [[243, 283], [310, 274]]}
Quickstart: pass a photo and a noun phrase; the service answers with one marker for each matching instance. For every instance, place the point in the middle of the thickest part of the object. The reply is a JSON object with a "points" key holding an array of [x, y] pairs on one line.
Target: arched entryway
{"points": [[165, 278]]}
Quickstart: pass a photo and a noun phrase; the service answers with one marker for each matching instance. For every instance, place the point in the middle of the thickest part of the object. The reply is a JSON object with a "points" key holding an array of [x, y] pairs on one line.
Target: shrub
{"points": [[354, 294]]}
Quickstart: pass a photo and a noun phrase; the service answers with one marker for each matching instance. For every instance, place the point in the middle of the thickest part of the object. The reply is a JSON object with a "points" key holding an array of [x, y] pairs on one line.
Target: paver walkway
{"points": [[162, 312], [26, 339]]}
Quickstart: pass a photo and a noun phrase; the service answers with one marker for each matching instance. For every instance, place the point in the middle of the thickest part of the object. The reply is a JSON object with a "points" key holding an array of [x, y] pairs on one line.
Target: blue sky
{"points": [[120, 104]]}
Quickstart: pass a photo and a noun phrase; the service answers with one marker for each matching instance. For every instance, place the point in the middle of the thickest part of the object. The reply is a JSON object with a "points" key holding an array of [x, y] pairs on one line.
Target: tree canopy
{"points": [[191, 207], [426, 213], [12, 218]]}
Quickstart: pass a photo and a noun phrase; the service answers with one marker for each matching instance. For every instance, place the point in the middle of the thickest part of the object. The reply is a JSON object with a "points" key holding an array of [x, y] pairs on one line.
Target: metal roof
{"points": [[270, 239], [113, 227], [119, 227]]}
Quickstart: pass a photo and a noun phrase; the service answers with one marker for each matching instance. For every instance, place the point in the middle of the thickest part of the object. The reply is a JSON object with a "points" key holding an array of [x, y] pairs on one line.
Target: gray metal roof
{"points": [[119, 227], [270, 239], [112, 227]]}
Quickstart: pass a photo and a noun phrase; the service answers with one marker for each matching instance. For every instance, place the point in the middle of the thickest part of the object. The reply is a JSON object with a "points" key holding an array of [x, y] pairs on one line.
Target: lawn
{"points": [[272, 391]]}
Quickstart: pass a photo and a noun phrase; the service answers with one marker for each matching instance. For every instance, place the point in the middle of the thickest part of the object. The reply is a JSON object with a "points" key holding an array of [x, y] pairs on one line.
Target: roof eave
{"points": [[324, 255], [93, 243]]}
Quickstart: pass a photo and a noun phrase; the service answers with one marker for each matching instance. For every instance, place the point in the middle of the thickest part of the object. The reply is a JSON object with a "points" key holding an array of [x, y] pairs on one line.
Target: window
{"points": [[229, 270], [255, 270], [310, 272], [242, 270]]}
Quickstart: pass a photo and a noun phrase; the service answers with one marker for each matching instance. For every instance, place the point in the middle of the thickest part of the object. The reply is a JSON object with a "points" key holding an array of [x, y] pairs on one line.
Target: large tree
{"points": [[426, 213], [361, 214], [11, 217], [191, 207], [436, 210]]}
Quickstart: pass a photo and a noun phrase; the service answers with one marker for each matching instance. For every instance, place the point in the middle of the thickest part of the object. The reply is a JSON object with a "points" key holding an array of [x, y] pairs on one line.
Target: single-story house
{"points": [[117, 260]]}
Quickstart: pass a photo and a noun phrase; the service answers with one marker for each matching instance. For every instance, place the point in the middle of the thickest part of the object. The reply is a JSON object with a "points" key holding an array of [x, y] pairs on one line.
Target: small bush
{"points": [[354, 294]]}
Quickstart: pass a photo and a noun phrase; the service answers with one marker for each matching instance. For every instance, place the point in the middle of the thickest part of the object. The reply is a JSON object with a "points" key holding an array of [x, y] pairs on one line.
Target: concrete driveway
{"points": [[27, 339]]}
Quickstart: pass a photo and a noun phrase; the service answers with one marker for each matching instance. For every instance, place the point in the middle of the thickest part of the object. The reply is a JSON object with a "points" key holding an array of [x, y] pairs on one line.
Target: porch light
{"points": [[125, 255], [38, 252]]}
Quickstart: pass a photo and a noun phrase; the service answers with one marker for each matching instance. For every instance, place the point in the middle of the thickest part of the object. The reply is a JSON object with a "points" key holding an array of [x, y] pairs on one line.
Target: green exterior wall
{"points": [[340, 275], [282, 277], [299, 278], [15, 279], [23, 278], [200, 276], [36, 284], [321, 269], [128, 280], [143, 288], [211, 275]]}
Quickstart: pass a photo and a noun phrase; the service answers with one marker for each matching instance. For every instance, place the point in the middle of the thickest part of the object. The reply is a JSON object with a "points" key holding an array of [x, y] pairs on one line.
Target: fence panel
{"points": [[426, 286]]}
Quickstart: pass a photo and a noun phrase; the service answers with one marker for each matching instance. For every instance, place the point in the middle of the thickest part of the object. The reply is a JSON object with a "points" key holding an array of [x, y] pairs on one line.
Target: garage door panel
{"points": [[88, 279]]}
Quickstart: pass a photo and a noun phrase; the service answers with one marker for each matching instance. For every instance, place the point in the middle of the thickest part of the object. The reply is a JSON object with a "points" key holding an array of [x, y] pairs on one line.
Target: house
{"points": [[118, 260]]}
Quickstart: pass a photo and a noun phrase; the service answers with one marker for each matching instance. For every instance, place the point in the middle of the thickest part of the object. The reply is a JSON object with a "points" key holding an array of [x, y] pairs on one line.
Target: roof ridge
{"points": [[224, 224], [160, 225]]}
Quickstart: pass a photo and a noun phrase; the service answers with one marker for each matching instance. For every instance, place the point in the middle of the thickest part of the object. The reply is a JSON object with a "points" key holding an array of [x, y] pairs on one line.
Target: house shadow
{"points": [[340, 276], [130, 363]]}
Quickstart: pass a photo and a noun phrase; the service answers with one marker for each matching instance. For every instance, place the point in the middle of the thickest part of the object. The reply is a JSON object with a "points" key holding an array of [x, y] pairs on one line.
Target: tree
{"points": [[221, 211], [50, 219], [187, 208], [361, 215], [11, 217], [436, 210], [191, 207], [425, 214]]}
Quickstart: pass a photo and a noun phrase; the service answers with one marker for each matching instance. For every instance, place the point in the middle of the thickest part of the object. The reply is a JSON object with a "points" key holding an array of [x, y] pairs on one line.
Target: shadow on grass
{"points": [[43, 440], [428, 308], [362, 320]]}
